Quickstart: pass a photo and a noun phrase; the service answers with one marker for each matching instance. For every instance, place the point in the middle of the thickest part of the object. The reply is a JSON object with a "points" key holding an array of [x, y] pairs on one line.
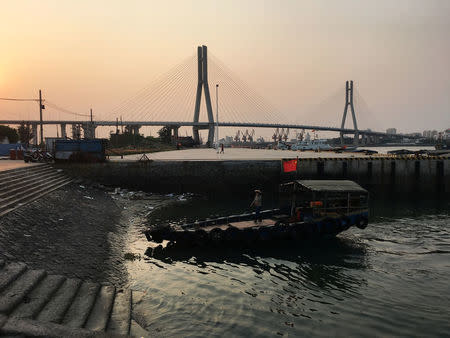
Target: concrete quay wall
{"points": [[402, 174]]}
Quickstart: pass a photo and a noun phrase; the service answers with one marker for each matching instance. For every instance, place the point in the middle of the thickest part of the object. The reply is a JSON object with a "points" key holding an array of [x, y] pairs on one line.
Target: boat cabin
{"points": [[308, 200]]}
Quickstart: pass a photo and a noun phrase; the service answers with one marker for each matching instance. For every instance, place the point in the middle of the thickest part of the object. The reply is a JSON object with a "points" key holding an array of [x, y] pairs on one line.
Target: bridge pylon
{"points": [[349, 103], [202, 62]]}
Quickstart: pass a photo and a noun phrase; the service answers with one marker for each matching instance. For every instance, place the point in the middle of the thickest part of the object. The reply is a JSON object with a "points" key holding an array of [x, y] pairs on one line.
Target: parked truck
{"points": [[80, 150]]}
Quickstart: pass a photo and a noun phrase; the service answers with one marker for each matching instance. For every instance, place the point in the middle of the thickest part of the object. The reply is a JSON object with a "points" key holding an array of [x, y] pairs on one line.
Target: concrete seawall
{"points": [[400, 174]]}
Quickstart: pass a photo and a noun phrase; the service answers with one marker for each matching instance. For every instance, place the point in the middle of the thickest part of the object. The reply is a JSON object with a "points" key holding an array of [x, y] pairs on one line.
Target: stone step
{"points": [[82, 305], [11, 186], [16, 177], [119, 322], [99, 316], [10, 273], [57, 307], [21, 327], [33, 187], [15, 292], [35, 301], [137, 331], [18, 171], [35, 195]]}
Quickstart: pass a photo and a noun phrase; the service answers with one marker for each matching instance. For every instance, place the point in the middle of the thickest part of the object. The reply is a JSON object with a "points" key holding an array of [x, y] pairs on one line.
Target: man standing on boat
{"points": [[257, 203]]}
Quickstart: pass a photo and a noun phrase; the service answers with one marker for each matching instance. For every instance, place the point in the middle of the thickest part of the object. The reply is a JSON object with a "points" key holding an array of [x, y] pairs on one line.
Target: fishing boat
{"points": [[309, 209]]}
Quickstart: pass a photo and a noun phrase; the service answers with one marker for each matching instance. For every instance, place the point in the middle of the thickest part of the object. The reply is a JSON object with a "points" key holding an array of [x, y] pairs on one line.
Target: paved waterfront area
{"points": [[16, 164], [235, 154]]}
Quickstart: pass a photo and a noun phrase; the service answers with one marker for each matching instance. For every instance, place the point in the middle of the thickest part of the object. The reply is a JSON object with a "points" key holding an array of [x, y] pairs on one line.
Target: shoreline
{"points": [[82, 230]]}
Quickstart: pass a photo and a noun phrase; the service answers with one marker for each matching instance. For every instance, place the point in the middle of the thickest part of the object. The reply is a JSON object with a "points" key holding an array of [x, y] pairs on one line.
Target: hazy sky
{"points": [[294, 53]]}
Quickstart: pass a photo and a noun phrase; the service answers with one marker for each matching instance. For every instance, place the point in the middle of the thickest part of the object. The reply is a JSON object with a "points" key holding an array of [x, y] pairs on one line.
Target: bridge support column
{"points": [[63, 130], [349, 103], [76, 131], [132, 129], [88, 130], [356, 139], [136, 130], [35, 133], [175, 132], [196, 135], [202, 64]]}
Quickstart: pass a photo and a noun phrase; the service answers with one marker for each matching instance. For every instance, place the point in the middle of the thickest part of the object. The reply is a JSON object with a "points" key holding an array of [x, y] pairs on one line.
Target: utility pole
{"points": [[40, 117], [217, 116], [91, 127]]}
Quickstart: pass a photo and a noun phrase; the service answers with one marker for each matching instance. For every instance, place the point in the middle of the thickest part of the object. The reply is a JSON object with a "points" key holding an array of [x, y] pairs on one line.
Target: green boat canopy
{"points": [[329, 186]]}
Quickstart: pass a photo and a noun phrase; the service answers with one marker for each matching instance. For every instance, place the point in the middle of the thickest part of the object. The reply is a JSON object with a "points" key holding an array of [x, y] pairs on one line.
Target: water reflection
{"points": [[365, 282], [320, 263]]}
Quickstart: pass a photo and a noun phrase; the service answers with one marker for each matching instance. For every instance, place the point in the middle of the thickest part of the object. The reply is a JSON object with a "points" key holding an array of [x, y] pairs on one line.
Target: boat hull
{"points": [[247, 232]]}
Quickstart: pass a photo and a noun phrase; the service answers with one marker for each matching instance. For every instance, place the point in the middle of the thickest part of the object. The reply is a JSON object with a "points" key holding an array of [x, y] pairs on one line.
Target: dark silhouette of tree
{"points": [[25, 133], [164, 134], [10, 133]]}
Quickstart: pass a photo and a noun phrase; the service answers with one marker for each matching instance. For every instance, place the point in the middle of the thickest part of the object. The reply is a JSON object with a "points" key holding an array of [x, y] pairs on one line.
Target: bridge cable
{"points": [[252, 96], [147, 92], [15, 99], [162, 94]]}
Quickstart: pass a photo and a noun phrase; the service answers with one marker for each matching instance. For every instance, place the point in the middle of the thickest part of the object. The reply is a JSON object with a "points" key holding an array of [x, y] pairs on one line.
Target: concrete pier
{"points": [[405, 173]]}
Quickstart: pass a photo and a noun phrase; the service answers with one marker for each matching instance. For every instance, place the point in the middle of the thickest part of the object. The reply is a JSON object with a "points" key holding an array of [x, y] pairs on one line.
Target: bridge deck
{"points": [[203, 125]]}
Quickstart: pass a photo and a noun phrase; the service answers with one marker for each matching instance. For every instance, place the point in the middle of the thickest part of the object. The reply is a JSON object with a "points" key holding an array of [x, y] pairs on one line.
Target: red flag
{"points": [[289, 165]]}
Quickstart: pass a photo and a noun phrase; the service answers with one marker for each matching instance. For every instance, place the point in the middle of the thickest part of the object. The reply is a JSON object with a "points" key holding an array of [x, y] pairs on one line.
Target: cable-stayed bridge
{"points": [[182, 98]]}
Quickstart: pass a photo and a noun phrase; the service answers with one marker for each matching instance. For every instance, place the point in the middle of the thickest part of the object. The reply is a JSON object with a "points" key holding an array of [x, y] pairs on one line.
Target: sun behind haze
{"points": [[295, 54]]}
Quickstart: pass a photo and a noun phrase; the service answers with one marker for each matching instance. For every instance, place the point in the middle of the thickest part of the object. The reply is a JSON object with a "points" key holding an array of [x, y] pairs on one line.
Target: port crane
{"points": [[275, 135], [250, 135], [237, 138]]}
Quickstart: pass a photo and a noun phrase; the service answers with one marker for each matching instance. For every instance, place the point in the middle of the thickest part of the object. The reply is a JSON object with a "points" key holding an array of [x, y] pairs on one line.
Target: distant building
{"points": [[435, 135], [431, 134], [391, 131], [446, 134], [414, 134], [226, 141]]}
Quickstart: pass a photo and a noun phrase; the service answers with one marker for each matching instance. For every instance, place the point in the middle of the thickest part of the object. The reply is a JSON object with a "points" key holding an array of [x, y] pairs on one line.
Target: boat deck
{"points": [[250, 224], [241, 225]]}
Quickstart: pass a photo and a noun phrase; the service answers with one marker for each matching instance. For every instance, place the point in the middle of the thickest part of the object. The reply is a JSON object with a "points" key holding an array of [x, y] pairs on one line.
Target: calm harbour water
{"points": [[391, 279]]}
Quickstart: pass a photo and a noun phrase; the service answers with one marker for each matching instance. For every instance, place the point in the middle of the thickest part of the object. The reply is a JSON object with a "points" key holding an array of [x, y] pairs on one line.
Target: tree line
{"points": [[22, 134]]}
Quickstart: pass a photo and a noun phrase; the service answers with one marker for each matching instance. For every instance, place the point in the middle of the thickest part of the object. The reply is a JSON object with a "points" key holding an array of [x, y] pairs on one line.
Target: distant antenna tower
{"points": [[349, 103]]}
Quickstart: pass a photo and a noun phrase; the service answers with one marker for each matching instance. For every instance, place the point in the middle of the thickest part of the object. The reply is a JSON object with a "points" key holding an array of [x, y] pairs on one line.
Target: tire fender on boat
{"points": [[362, 222], [216, 235]]}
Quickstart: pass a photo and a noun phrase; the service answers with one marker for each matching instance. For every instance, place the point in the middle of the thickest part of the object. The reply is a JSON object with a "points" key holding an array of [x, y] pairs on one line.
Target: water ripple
{"points": [[388, 280]]}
